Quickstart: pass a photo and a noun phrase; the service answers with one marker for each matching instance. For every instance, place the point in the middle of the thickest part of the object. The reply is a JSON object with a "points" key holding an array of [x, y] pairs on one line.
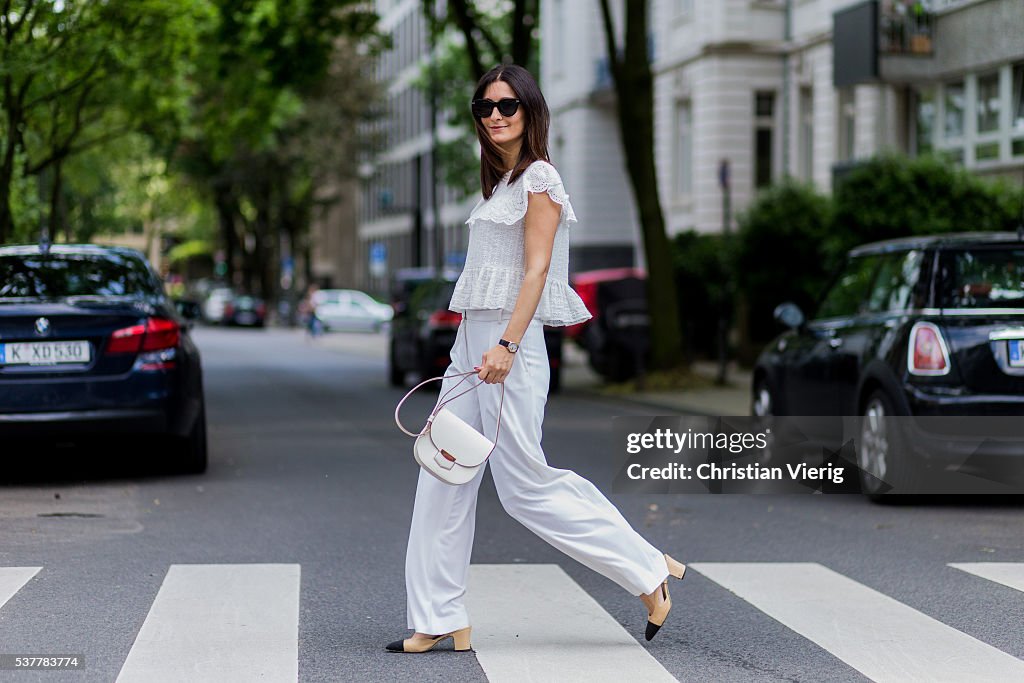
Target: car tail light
{"points": [[161, 333], [127, 339], [588, 294], [927, 353], [445, 319], [229, 310], [156, 339]]}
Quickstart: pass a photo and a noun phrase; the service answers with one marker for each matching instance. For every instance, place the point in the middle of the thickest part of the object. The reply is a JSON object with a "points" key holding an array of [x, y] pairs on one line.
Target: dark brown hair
{"points": [[535, 126]]}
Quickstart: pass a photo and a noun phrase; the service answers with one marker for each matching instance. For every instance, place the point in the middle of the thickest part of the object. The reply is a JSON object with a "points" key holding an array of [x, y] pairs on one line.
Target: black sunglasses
{"points": [[507, 106]]}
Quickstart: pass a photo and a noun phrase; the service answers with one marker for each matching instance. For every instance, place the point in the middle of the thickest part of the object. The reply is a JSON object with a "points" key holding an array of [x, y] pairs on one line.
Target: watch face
{"points": [[513, 347]]}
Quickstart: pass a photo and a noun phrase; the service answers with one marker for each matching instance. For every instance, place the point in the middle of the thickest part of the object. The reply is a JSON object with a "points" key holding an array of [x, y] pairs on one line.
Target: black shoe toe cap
{"points": [[397, 646], [652, 629]]}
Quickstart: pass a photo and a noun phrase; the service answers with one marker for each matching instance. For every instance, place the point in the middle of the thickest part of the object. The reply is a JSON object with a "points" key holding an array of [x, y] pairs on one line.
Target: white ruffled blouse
{"points": [[495, 258]]}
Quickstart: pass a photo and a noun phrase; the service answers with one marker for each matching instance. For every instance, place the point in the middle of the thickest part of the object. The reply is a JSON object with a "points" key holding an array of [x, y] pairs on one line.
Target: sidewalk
{"points": [[578, 378], [732, 399]]}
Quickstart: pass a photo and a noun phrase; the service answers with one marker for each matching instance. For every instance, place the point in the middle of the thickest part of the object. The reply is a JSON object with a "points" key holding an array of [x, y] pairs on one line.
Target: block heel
{"points": [[460, 638], [656, 616]]}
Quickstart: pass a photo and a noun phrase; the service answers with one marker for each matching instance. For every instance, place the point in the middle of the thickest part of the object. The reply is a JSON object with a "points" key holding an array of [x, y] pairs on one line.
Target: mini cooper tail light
{"points": [[927, 353]]}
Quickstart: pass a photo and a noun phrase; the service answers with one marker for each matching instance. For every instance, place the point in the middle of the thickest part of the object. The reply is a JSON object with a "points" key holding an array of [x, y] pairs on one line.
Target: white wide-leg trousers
{"points": [[558, 505]]}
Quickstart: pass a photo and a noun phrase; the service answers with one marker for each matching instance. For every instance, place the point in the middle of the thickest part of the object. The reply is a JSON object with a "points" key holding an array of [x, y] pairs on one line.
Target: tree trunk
{"points": [[522, 41], [634, 85], [56, 215], [7, 176], [227, 209], [265, 251]]}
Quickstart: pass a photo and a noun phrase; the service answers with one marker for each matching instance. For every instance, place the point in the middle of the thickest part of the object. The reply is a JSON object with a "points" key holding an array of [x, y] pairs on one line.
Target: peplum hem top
{"points": [[495, 258]]}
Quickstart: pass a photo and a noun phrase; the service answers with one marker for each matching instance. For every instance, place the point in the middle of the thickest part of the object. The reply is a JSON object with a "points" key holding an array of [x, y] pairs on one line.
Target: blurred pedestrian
{"points": [[307, 312], [514, 282]]}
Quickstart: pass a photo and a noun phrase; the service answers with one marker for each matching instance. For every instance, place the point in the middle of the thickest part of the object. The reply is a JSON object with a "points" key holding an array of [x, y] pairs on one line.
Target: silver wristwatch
{"points": [[510, 346]]}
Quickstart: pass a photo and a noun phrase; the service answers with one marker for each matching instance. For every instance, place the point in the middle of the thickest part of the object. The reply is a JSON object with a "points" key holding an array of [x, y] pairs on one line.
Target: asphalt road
{"points": [[311, 485]]}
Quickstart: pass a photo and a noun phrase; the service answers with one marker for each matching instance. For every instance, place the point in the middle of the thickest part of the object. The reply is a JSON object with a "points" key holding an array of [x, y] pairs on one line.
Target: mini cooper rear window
{"points": [[983, 278], [53, 276]]}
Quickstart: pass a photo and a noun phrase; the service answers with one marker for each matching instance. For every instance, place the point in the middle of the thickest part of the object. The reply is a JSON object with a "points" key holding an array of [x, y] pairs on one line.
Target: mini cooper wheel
{"points": [[883, 460], [762, 406]]}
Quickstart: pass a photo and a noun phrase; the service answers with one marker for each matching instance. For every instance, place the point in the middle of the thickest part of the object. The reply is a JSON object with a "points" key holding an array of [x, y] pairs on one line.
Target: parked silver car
{"points": [[350, 310]]}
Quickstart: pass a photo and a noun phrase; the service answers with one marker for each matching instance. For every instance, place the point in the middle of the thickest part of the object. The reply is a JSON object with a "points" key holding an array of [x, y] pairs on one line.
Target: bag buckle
{"points": [[444, 459]]}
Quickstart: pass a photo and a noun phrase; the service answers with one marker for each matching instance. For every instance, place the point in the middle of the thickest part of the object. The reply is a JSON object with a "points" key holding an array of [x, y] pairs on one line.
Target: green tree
{"points": [[781, 255], [78, 74], [470, 39], [896, 196], [264, 66]]}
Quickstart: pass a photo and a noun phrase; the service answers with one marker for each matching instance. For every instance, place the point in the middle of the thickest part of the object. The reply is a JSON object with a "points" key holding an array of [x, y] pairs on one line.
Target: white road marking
{"points": [[220, 623], [880, 637], [532, 622], [1007, 573], [12, 579]]}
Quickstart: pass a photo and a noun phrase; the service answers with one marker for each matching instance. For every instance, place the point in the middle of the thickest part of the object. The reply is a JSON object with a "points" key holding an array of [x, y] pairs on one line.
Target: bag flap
{"points": [[450, 433]]}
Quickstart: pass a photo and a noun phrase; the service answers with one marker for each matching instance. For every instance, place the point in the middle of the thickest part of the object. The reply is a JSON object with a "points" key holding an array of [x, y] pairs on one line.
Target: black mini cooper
{"points": [[922, 327]]}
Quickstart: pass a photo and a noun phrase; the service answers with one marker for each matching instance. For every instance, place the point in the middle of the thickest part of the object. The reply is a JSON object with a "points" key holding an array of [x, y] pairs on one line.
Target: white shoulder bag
{"points": [[447, 447]]}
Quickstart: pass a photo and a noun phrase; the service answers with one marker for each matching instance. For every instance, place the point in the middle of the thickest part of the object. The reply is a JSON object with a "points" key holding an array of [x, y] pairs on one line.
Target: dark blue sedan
{"points": [[91, 345]]}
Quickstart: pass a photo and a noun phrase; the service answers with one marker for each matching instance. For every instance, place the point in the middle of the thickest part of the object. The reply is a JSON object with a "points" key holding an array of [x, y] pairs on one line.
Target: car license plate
{"points": [[45, 353], [1016, 353]]}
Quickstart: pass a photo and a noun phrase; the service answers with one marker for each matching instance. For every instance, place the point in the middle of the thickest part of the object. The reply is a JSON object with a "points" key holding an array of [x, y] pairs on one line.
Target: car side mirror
{"points": [[189, 310], [790, 315]]}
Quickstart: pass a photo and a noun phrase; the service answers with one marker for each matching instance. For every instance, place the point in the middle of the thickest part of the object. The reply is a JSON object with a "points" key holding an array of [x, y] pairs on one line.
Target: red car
{"points": [[617, 336]]}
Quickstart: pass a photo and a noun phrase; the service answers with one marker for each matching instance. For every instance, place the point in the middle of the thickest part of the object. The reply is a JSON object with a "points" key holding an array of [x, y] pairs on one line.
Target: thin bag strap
{"points": [[441, 403]]}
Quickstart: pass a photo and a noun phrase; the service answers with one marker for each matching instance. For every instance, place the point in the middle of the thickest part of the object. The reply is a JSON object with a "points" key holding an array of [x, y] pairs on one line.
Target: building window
{"points": [[1017, 111], [683, 149], [954, 104], [764, 111], [806, 133], [925, 121], [847, 123], [988, 103]]}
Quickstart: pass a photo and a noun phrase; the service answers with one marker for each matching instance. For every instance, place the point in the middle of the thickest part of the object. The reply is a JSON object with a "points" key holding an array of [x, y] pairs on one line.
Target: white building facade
{"points": [[770, 88], [396, 216]]}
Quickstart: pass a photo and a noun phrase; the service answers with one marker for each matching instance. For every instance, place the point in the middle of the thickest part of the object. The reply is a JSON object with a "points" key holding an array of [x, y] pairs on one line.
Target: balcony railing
{"points": [[906, 27]]}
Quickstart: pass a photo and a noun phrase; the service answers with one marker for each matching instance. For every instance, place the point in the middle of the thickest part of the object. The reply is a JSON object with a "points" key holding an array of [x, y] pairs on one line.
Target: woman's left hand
{"points": [[496, 364]]}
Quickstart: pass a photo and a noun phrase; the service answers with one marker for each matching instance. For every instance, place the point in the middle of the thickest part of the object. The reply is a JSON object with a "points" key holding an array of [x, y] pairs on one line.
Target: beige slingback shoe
{"points": [[657, 616], [460, 638]]}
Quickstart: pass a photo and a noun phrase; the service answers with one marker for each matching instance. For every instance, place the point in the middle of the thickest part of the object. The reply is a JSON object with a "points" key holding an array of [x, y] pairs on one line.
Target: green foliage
{"points": [[700, 263], [792, 238], [189, 250], [781, 254], [452, 74], [26, 208], [78, 76], [457, 151], [895, 196]]}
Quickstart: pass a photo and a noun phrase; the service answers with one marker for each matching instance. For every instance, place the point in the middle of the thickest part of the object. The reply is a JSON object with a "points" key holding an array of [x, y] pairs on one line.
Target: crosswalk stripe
{"points": [[1007, 573], [12, 579], [220, 623], [532, 622], [880, 637]]}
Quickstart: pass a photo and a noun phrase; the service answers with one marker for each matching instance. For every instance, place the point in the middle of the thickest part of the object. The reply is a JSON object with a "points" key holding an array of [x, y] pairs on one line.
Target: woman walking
{"points": [[514, 282]]}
